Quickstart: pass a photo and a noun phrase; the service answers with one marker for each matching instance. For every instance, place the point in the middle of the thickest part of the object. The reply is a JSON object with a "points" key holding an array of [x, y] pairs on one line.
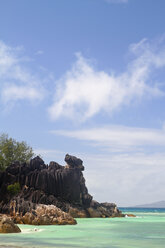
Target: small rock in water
{"points": [[7, 225]]}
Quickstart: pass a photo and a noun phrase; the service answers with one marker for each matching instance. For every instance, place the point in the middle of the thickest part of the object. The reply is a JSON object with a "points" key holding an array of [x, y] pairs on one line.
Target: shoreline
{"points": [[102, 232]]}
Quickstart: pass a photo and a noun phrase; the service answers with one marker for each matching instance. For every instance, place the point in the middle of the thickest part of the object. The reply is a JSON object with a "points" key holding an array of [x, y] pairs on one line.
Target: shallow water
{"points": [[145, 231]]}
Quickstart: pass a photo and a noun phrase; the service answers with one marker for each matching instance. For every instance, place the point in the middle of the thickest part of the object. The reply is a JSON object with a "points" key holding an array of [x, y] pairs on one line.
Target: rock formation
{"points": [[7, 225], [39, 214], [61, 186]]}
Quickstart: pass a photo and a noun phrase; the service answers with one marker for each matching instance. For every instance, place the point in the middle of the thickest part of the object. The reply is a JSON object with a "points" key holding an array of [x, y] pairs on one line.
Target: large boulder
{"points": [[45, 215], [103, 210], [37, 163], [7, 225], [73, 162], [54, 166]]}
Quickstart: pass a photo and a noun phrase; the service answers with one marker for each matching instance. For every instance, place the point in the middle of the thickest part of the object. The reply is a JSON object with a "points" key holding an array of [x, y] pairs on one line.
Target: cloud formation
{"points": [[84, 91], [127, 159], [14, 92], [125, 179], [118, 138], [17, 81]]}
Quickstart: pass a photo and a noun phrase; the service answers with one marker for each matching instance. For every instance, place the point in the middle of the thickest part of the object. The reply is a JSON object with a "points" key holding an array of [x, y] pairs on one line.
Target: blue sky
{"points": [[87, 78]]}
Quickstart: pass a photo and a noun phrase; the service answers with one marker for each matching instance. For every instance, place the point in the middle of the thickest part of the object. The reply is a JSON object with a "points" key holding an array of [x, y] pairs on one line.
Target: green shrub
{"points": [[13, 189], [12, 150]]}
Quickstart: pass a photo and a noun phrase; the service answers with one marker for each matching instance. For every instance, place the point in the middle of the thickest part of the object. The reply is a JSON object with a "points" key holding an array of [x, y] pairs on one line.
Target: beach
{"points": [[144, 231]]}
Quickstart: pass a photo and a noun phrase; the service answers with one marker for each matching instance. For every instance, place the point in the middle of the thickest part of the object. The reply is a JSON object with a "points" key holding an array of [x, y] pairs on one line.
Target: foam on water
{"points": [[32, 230]]}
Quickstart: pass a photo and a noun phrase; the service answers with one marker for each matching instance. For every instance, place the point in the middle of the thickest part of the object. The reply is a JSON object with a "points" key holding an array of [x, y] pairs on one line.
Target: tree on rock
{"points": [[12, 150]]}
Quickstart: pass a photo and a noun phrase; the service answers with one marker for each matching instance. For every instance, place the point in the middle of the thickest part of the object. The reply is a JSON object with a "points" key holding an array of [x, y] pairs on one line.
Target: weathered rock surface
{"points": [[7, 225], [61, 186], [40, 214], [103, 210], [73, 162]]}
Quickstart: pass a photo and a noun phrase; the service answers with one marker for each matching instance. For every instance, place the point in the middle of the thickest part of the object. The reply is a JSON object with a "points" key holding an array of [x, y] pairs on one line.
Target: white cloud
{"points": [[128, 163], [125, 179], [84, 91], [17, 81], [118, 138], [13, 92]]}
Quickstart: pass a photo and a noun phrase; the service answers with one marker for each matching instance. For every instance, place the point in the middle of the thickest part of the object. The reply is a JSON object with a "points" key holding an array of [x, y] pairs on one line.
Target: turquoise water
{"points": [[145, 231]]}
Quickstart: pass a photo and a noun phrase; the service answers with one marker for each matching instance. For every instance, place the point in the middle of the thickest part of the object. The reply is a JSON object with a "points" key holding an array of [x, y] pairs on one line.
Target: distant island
{"points": [[159, 204]]}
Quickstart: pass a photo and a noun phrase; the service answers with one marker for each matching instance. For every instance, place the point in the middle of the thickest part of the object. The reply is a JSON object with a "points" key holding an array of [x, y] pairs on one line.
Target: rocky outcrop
{"points": [[7, 225], [61, 186], [103, 210], [39, 214], [73, 162]]}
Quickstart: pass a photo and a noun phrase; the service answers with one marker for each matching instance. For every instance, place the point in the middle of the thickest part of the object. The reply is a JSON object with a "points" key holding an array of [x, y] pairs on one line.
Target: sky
{"points": [[88, 78]]}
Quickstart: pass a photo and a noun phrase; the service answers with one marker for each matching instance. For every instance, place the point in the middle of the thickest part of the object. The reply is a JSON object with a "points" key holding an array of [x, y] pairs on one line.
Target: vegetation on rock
{"points": [[12, 150], [13, 189]]}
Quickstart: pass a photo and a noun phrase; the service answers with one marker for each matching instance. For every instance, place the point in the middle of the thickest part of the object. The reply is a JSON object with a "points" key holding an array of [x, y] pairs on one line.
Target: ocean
{"points": [[147, 230]]}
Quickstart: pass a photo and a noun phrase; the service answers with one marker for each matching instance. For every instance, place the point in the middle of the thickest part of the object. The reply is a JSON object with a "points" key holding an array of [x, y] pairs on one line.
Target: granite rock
{"points": [[61, 186], [7, 225]]}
